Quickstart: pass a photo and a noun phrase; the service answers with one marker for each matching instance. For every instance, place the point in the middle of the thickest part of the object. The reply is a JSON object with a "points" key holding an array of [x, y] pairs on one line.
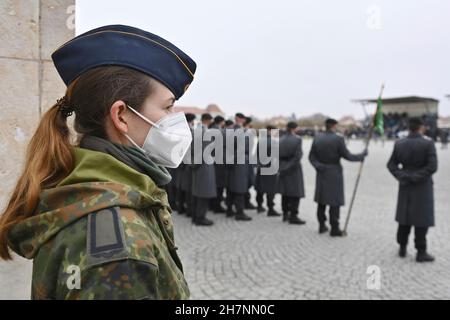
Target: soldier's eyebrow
{"points": [[170, 102]]}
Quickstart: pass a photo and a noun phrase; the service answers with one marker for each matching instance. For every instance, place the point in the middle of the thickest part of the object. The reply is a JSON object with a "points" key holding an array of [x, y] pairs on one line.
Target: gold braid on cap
{"points": [[64, 107]]}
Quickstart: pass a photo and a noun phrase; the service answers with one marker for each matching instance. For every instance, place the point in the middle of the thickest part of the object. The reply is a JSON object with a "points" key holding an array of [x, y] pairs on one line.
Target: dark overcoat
{"points": [[249, 143], [221, 169], [184, 181], [412, 163], [290, 182], [325, 155], [266, 183], [174, 174], [238, 174], [204, 175]]}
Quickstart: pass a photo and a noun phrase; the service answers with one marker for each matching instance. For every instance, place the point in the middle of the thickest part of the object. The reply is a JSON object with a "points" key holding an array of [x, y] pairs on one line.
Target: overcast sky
{"points": [[278, 57]]}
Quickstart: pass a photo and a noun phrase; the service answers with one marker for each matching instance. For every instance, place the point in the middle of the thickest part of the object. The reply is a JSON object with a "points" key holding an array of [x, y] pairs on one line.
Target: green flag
{"points": [[379, 123]]}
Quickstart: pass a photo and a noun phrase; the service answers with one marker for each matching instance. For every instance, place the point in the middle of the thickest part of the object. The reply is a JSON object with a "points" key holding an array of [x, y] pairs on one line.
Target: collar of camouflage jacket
{"points": [[98, 181], [130, 155]]}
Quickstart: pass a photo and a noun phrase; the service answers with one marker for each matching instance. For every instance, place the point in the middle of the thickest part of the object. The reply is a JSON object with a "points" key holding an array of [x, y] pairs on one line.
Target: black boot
{"points": [[293, 217], [230, 212], [296, 220], [219, 209], [423, 256], [260, 209], [250, 206], [242, 216], [285, 216], [336, 232], [273, 213], [322, 228], [203, 222], [402, 251]]}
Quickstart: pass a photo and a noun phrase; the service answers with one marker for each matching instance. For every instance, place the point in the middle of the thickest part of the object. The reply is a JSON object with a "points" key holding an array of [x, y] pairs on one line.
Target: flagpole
{"points": [[361, 165]]}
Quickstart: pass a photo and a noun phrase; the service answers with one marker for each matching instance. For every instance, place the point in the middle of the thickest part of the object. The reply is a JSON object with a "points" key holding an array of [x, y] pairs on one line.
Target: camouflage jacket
{"points": [[104, 232]]}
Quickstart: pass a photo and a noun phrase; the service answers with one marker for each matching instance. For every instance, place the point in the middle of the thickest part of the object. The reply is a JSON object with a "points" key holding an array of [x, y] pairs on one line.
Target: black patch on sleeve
{"points": [[105, 237]]}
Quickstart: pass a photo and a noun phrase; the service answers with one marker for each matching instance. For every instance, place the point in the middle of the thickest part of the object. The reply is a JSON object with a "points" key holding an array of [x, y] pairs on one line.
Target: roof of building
{"points": [[187, 109], [405, 99], [348, 120], [212, 108]]}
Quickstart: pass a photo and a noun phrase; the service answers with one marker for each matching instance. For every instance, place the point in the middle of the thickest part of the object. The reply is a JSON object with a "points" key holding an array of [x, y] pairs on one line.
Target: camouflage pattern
{"points": [[137, 258]]}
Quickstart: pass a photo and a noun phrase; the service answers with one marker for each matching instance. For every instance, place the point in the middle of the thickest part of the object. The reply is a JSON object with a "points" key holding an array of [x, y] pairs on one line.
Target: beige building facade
{"points": [[30, 30]]}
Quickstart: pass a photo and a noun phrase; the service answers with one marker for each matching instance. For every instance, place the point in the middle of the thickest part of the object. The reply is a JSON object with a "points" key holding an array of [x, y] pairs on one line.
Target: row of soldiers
{"points": [[195, 188], [199, 187]]}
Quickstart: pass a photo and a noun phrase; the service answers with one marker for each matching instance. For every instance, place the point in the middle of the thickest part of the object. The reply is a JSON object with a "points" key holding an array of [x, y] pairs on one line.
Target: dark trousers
{"points": [[201, 206], [171, 195], [334, 215], [247, 197], [181, 199], [236, 199], [269, 199], [218, 200], [420, 236], [229, 200], [289, 205], [190, 203]]}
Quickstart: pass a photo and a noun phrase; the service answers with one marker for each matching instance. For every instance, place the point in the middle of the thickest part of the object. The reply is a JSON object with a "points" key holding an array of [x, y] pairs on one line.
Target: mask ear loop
{"points": [[149, 121], [134, 143], [144, 118]]}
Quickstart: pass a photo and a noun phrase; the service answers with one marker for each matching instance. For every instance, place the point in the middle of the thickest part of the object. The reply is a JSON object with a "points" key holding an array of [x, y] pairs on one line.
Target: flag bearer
{"points": [[326, 152]]}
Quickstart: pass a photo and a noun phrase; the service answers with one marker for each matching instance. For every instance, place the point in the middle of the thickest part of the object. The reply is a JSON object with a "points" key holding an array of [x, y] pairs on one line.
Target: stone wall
{"points": [[30, 30]]}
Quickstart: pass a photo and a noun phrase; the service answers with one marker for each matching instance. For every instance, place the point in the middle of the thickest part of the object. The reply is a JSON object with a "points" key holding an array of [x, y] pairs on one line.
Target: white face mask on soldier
{"points": [[167, 140]]}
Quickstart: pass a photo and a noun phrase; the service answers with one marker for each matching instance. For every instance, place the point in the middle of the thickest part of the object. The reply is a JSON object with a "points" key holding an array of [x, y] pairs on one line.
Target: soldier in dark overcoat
{"points": [[203, 178], [184, 177], [221, 170], [412, 163], [326, 152], [266, 184], [250, 140], [238, 176], [290, 182]]}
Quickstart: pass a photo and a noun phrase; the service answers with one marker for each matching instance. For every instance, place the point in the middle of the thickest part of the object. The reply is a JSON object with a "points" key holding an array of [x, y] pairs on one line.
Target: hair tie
{"points": [[64, 107]]}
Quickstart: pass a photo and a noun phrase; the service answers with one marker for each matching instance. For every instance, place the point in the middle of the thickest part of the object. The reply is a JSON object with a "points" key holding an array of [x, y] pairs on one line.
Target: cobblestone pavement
{"points": [[267, 259]]}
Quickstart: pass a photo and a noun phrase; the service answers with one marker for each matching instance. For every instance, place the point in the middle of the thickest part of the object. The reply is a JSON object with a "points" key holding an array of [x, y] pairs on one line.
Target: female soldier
{"points": [[92, 215]]}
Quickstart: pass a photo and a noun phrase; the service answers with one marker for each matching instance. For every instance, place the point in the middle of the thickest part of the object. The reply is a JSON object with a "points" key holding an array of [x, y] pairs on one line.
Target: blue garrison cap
{"points": [[126, 46]]}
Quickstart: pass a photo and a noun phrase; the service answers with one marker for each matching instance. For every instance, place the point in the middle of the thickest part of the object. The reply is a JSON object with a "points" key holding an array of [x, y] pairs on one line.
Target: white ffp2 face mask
{"points": [[167, 140]]}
